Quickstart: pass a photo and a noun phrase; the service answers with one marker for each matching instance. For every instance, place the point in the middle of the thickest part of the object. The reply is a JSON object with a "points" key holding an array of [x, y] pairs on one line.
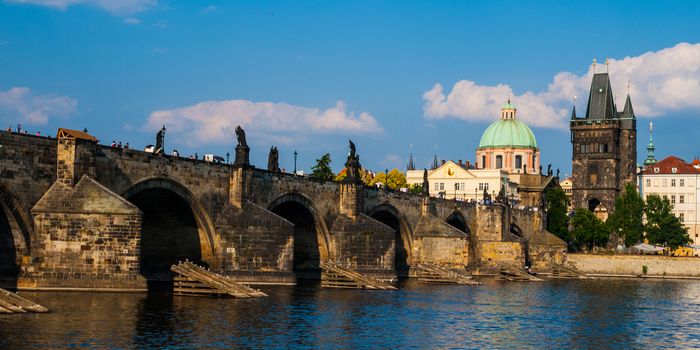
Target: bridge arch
{"points": [[175, 226], [597, 207], [15, 234], [310, 249], [392, 217], [458, 221]]}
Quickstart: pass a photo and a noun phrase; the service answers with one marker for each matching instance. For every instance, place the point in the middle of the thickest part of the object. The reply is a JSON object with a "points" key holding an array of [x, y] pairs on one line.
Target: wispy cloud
{"points": [[210, 8], [132, 21], [662, 82], [32, 108], [215, 121], [117, 7]]}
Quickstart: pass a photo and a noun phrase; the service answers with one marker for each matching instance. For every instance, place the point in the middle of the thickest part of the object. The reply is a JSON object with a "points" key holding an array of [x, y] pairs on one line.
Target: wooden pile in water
{"points": [[433, 274], [11, 303], [515, 274], [335, 276], [198, 281]]}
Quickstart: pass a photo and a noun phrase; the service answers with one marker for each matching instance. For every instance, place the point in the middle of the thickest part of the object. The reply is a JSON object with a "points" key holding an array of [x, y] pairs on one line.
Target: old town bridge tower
{"points": [[604, 149]]}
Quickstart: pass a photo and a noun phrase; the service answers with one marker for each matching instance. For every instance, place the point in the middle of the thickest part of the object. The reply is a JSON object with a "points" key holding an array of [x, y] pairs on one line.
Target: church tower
{"points": [[604, 149]]}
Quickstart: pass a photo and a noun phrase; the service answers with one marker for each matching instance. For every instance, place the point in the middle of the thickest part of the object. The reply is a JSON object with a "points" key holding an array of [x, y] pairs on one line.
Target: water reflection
{"points": [[558, 314]]}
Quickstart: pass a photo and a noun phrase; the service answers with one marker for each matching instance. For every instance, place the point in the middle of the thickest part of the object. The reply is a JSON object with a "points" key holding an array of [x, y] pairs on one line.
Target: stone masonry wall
{"points": [[364, 244], [633, 265], [255, 242]]}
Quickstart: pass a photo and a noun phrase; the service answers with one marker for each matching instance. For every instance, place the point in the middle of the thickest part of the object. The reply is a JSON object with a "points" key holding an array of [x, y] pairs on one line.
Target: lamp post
{"points": [[295, 162], [475, 194], [227, 157]]}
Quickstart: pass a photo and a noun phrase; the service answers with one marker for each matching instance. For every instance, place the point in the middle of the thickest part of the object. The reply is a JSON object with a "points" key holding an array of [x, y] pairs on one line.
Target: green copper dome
{"points": [[508, 133]]}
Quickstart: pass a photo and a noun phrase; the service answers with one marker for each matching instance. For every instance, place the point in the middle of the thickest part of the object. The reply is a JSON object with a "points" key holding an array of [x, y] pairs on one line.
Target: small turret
{"points": [[650, 147]]}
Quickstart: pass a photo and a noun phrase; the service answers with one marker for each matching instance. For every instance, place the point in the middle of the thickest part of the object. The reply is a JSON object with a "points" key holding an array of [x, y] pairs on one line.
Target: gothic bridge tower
{"points": [[604, 149]]}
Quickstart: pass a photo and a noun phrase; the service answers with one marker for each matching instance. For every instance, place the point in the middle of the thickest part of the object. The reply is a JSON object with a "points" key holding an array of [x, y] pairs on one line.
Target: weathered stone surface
{"points": [[88, 236], [247, 220], [633, 265]]}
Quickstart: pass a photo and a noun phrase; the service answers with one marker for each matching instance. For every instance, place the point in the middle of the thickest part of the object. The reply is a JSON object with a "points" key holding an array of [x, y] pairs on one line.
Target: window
{"points": [[681, 182], [442, 186], [437, 186], [681, 216], [483, 162], [673, 199], [673, 182], [648, 182], [674, 170], [518, 162], [499, 161], [681, 199], [665, 197], [481, 186], [583, 148]]}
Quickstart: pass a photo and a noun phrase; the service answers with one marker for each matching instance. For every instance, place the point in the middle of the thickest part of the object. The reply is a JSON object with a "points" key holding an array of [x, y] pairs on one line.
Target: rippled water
{"points": [[559, 314]]}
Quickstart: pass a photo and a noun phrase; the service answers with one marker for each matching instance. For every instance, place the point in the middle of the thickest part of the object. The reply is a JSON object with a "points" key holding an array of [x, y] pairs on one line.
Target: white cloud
{"points": [[662, 82], [215, 121], [132, 21], [35, 109], [118, 7], [391, 161], [210, 8]]}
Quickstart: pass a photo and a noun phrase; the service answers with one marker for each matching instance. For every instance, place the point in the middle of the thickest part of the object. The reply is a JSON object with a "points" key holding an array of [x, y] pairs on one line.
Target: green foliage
{"points": [[557, 220], [396, 179], [322, 170], [416, 189], [627, 219], [588, 230], [662, 227]]}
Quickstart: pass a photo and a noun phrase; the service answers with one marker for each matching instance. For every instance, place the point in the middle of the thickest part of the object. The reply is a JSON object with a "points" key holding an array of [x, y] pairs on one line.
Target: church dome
{"points": [[508, 132]]}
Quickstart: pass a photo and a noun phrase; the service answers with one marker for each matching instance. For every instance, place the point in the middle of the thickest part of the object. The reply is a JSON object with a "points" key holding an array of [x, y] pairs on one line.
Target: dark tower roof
{"points": [[573, 113], [435, 163], [411, 165], [628, 112], [601, 104]]}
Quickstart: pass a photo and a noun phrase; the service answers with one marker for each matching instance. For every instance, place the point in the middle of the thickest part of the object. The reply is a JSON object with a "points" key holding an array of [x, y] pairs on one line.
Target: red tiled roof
{"points": [[667, 165]]}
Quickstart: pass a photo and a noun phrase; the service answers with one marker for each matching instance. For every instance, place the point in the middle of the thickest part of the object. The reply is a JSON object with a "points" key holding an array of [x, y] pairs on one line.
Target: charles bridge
{"points": [[80, 215]]}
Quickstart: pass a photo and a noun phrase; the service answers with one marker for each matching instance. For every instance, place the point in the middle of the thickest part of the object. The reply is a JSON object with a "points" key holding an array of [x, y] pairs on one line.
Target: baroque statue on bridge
{"points": [[242, 149], [160, 141], [353, 165], [425, 189], [241, 136], [273, 160]]}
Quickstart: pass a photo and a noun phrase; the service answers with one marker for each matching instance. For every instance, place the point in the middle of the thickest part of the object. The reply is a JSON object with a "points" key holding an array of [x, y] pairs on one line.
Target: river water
{"points": [[601, 313]]}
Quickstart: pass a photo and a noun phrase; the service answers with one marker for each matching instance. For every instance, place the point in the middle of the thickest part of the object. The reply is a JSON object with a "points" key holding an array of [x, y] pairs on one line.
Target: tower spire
{"points": [[411, 165], [573, 110], [650, 147]]}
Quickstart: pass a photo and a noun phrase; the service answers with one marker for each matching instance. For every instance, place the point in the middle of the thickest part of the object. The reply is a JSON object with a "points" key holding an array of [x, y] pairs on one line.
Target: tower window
{"points": [[499, 161], [518, 162], [593, 174], [483, 162]]}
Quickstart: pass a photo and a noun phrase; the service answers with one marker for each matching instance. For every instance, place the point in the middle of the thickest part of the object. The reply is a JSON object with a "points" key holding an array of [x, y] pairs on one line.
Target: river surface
{"points": [[602, 313]]}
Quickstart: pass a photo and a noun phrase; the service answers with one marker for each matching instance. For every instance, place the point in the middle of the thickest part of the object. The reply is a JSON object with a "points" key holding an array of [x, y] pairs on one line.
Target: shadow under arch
{"points": [[323, 236], [392, 217], [15, 237], [166, 197], [458, 221]]}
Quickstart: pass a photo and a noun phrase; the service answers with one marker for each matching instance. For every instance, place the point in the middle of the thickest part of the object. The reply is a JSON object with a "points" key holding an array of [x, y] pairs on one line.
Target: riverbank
{"points": [[648, 266]]}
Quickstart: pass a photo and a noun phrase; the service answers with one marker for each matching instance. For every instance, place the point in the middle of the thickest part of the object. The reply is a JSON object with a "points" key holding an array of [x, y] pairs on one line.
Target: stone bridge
{"points": [[77, 214]]}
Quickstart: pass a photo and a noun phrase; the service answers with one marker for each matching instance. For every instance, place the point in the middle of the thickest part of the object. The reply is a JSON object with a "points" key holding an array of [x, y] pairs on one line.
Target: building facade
{"points": [[679, 182], [454, 181], [604, 146]]}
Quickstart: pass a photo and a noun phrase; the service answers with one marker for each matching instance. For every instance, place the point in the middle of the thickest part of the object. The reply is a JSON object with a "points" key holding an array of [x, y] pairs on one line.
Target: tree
{"points": [[322, 169], [662, 226], [416, 189], [366, 176], [395, 180], [628, 218], [557, 220], [588, 230]]}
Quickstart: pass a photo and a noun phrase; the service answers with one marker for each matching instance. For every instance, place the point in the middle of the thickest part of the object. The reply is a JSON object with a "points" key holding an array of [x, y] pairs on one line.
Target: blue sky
{"points": [[307, 75]]}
